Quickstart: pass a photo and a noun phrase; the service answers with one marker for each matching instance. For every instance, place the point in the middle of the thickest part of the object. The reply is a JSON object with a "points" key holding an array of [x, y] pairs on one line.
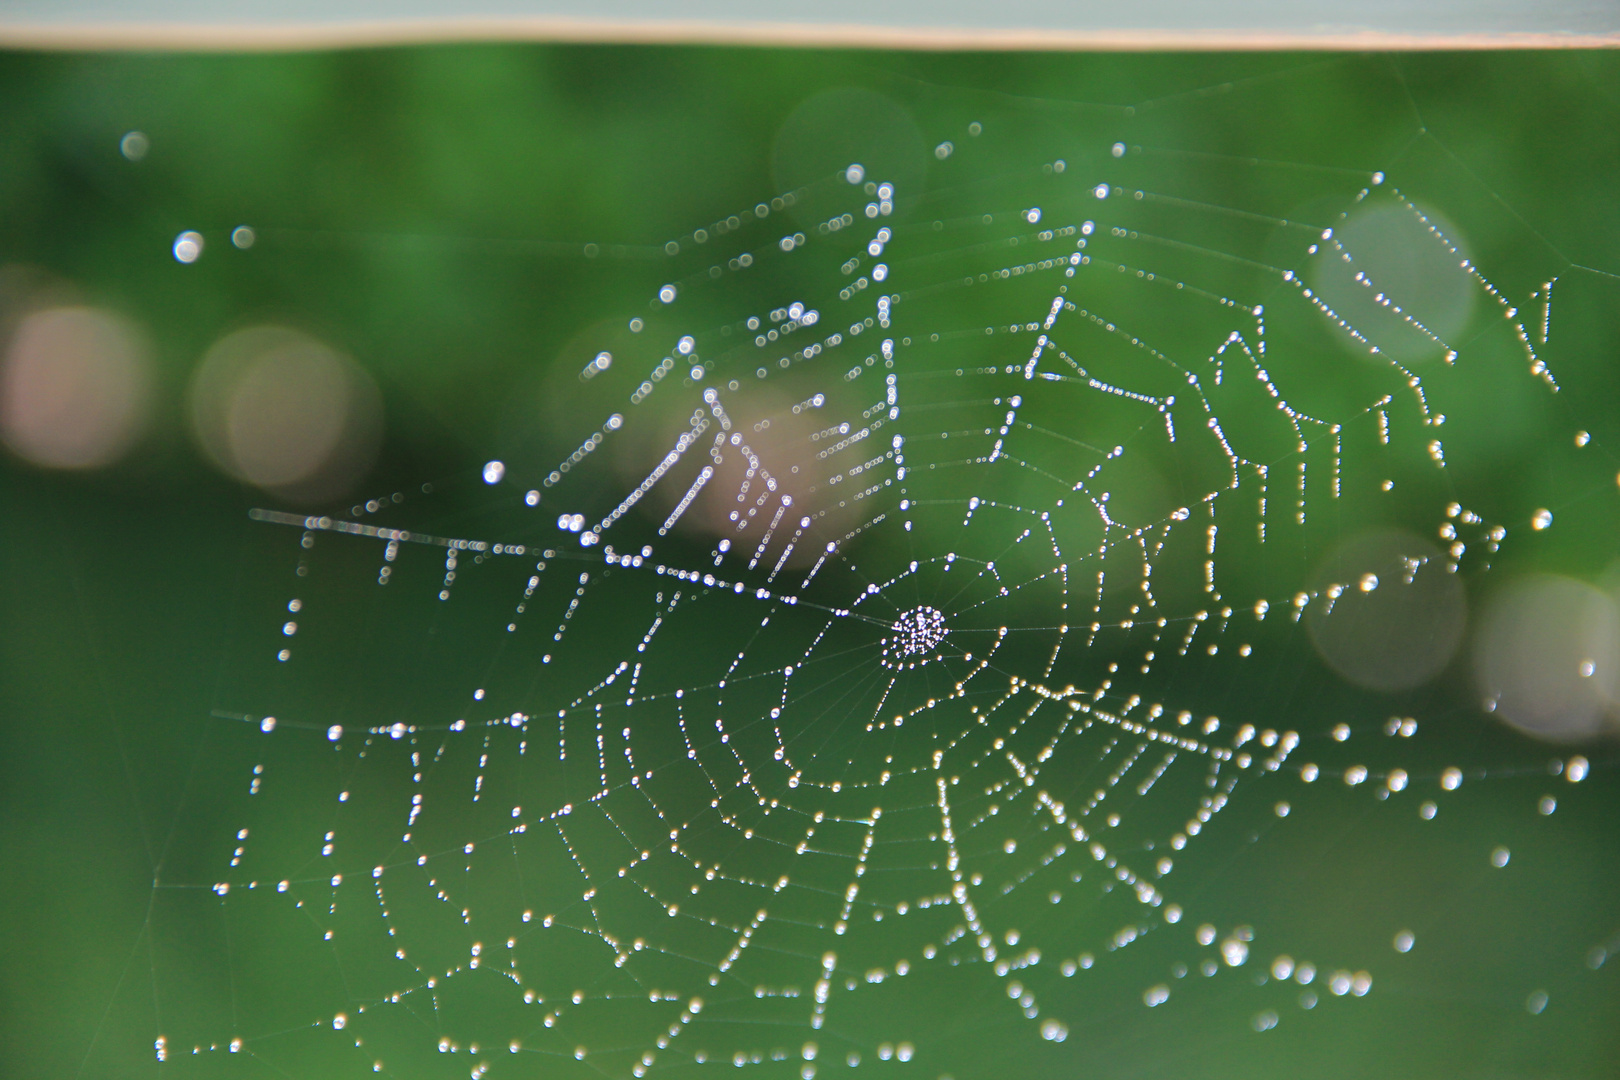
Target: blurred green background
{"points": [[427, 211]]}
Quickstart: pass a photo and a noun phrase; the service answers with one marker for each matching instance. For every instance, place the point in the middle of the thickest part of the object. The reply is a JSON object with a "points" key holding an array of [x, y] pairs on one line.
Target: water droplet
{"points": [[188, 246]]}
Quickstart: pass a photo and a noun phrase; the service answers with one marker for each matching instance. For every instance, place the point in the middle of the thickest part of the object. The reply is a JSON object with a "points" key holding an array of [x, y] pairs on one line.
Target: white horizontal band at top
{"points": [[271, 25]]}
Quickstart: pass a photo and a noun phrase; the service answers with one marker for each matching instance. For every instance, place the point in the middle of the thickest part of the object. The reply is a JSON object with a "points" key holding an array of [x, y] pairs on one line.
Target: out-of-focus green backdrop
{"points": [[426, 210]]}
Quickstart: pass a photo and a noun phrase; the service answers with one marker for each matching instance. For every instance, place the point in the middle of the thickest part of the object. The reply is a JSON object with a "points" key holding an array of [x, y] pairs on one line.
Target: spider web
{"points": [[892, 673]]}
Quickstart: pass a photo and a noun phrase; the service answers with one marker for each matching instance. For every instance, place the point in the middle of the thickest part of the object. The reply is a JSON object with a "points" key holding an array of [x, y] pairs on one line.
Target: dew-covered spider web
{"points": [[999, 616]]}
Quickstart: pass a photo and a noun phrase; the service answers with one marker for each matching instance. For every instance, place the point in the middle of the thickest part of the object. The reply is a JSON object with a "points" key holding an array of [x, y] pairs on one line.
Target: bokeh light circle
{"points": [[1389, 612], [283, 411], [1547, 657], [75, 388], [1394, 273]]}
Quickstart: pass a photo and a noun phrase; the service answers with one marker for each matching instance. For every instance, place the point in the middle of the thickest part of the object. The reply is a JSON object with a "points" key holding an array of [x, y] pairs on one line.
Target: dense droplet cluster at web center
{"points": [[915, 636]]}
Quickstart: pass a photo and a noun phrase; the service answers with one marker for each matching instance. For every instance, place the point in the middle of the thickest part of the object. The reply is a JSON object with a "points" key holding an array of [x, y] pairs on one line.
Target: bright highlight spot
{"points": [[188, 246]]}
